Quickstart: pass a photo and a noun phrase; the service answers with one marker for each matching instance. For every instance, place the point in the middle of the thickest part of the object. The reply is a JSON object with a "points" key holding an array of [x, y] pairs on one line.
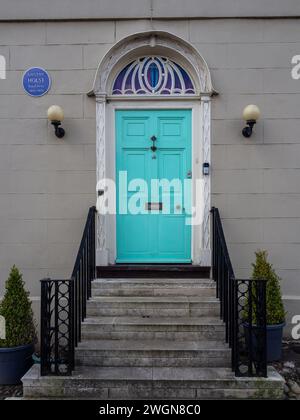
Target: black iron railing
{"points": [[242, 308], [63, 307]]}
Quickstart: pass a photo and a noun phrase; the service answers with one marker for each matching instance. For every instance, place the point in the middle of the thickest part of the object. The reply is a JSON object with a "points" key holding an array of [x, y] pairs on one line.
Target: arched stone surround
{"points": [[129, 48]]}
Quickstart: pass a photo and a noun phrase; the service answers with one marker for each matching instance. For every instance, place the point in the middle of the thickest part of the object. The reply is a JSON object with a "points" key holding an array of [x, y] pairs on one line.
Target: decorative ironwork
{"points": [[250, 328], [57, 333], [153, 76], [242, 308], [63, 307]]}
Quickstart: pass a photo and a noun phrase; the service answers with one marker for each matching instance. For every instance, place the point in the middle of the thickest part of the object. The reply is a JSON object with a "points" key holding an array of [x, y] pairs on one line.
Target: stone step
{"points": [[138, 383], [158, 306], [153, 281], [165, 328], [153, 271], [154, 287], [157, 353]]}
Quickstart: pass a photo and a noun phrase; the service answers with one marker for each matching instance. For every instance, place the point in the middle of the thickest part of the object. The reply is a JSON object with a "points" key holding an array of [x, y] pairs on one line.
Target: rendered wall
{"points": [[126, 9], [47, 185]]}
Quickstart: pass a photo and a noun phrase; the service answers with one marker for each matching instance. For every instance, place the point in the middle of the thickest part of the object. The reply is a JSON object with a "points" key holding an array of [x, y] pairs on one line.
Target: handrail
{"points": [[84, 272], [63, 307], [242, 308]]}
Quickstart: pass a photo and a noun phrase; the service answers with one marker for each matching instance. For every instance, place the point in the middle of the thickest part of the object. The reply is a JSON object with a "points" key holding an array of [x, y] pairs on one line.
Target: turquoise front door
{"points": [[153, 165]]}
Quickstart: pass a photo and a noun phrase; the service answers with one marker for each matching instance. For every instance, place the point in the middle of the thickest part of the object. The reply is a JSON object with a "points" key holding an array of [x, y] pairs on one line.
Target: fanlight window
{"points": [[153, 76]]}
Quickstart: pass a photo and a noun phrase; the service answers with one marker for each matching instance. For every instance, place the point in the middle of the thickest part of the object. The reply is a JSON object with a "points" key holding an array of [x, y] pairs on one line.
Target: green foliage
{"points": [[16, 309], [262, 269]]}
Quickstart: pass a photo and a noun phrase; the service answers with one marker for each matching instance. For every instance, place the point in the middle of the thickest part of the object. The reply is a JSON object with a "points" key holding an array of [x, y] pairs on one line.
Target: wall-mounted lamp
{"points": [[56, 116], [250, 114]]}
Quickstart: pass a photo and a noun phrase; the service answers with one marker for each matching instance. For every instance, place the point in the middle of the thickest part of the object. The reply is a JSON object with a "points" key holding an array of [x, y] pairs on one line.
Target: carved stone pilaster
{"points": [[100, 152], [206, 151]]}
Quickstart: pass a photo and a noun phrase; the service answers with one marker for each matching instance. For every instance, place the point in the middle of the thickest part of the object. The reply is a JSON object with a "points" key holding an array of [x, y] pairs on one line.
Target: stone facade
{"points": [[47, 185]]}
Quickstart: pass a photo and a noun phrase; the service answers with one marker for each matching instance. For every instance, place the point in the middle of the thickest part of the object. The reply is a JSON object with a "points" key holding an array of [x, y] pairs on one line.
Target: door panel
{"points": [[156, 234], [171, 235]]}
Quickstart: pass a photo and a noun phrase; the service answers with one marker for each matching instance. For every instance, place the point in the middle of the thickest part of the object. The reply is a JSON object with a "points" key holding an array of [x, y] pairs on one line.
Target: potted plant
{"points": [[275, 312], [17, 347]]}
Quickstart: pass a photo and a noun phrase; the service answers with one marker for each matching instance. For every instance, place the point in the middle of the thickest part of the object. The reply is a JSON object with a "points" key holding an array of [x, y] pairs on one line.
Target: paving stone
{"points": [[294, 387]]}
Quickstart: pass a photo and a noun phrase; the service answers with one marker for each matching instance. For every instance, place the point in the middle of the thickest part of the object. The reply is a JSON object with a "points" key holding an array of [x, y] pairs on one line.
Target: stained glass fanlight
{"points": [[153, 76]]}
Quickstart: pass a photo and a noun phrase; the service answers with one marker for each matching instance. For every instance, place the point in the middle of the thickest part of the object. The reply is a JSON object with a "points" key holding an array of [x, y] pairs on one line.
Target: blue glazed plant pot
{"points": [[14, 363], [274, 340]]}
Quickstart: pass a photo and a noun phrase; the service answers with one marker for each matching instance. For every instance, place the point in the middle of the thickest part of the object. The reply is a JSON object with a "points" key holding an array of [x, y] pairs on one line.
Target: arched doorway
{"points": [[154, 73]]}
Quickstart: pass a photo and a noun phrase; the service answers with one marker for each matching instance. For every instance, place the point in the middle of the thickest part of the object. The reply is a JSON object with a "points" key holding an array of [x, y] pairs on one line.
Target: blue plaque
{"points": [[36, 81]]}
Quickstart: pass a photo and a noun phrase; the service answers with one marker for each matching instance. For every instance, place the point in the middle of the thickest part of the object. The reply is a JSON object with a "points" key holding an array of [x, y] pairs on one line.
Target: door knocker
{"points": [[153, 147]]}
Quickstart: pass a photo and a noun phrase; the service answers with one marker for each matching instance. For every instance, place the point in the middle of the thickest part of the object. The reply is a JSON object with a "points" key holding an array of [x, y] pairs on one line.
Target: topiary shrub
{"points": [[17, 312], [262, 269]]}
